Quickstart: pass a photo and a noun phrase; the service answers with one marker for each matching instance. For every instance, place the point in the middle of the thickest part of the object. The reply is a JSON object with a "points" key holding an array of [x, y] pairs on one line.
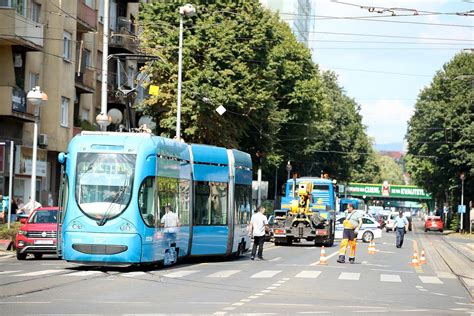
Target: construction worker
{"points": [[351, 225]]}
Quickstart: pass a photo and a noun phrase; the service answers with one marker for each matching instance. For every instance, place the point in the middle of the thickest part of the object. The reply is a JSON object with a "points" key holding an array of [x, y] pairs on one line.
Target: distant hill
{"points": [[389, 147]]}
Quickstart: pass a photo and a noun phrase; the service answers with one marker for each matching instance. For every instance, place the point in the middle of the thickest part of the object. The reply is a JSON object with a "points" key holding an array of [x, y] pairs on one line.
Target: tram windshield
{"points": [[104, 184]]}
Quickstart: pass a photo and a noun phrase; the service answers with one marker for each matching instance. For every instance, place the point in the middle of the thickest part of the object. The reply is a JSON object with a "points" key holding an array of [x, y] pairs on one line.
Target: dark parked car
{"points": [[38, 234]]}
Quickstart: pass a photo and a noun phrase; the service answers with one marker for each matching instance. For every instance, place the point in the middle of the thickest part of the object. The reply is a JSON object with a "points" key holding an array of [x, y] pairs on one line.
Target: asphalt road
{"points": [[289, 282]]}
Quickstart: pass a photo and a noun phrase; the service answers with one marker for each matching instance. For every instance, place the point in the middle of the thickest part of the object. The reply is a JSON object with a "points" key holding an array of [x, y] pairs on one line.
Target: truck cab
{"points": [[319, 226]]}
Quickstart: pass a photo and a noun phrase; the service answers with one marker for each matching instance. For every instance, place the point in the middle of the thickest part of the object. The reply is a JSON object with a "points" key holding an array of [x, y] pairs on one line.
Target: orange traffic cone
{"points": [[414, 260], [322, 258], [422, 258], [371, 248]]}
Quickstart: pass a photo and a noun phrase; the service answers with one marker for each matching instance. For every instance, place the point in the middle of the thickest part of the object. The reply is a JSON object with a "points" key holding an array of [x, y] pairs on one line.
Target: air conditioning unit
{"points": [[43, 140]]}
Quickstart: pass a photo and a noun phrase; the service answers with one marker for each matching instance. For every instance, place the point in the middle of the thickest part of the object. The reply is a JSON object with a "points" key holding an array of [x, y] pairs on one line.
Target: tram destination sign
{"points": [[386, 190]]}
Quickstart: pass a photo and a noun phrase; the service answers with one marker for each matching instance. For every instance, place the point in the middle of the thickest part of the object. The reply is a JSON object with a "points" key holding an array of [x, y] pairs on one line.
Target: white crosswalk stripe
{"points": [[390, 278], [308, 274], [430, 280], [180, 274], [302, 274], [266, 274], [38, 273], [349, 276], [223, 274]]}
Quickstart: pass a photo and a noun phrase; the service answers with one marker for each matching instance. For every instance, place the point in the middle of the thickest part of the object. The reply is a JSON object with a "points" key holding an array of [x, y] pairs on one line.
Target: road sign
{"points": [[461, 209]]}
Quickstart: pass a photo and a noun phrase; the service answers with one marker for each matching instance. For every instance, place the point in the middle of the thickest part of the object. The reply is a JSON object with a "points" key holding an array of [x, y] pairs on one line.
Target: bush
{"points": [[6, 233], [455, 222]]}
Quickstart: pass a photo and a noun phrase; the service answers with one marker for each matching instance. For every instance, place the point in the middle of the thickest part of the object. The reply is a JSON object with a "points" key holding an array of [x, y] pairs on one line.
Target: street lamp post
{"points": [[462, 177], [288, 168], [187, 10], [36, 97]]}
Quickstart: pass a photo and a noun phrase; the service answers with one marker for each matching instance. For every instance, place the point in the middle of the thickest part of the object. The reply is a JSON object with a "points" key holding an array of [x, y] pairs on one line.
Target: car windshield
{"points": [[43, 217], [103, 184]]}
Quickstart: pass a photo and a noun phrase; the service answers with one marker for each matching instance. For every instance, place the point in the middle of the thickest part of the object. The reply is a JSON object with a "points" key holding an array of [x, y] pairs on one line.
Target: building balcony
{"points": [[124, 37], [17, 29], [86, 18], [86, 80], [13, 103]]}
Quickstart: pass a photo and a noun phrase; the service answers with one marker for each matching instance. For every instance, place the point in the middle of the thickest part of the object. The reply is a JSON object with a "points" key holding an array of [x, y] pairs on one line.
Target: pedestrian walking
{"points": [[401, 226], [351, 225], [258, 226]]}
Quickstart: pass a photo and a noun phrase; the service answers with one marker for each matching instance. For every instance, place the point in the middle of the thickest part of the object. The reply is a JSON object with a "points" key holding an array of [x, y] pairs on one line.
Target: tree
{"points": [[441, 132], [279, 106], [390, 170]]}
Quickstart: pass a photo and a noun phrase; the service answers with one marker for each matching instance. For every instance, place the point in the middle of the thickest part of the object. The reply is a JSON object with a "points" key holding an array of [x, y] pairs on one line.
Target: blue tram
{"points": [[117, 190]]}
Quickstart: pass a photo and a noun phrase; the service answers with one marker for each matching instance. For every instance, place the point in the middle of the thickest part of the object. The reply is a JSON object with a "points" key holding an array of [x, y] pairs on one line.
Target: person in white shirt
{"points": [[258, 226], [170, 221]]}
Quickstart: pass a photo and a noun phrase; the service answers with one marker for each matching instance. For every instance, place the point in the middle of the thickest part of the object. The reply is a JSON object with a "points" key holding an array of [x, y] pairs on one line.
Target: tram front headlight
{"points": [[126, 227]]}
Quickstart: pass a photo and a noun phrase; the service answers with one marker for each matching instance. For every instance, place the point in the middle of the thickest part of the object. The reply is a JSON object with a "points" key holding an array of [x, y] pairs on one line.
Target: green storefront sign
{"points": [[387, 191]]}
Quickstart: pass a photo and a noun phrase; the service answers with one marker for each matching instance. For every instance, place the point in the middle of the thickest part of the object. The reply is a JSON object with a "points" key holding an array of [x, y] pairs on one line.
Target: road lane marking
{"points": [[390, 278], [440, 294], [82, 273], [328, 257], [180, 274], [223, 274], [349, 276], [38, 273], [11, 271], [430, 280], [308, 274], [266, 274], [133, 274], [275, 259]]}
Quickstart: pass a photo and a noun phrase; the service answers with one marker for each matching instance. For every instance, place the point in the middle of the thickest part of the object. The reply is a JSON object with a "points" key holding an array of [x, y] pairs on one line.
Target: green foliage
{"points": [[279, 105], [455, 222], [390, 170], [441, 131], [6, 233]]}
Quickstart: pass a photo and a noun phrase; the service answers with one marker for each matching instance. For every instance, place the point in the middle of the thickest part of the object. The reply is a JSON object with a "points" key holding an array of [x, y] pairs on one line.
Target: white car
{"points": [[369, 230]]}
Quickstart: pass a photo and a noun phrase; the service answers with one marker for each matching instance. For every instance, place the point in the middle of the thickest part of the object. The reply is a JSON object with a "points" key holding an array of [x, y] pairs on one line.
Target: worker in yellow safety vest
{"points": [[351, 225]]}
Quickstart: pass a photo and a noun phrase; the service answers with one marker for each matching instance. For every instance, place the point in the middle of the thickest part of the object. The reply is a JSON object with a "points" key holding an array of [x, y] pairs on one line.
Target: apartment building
{"points": [[57, 45]]}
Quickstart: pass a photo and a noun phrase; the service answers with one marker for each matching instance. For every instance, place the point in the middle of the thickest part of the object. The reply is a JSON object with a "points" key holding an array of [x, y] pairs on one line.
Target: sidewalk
{"points": [[6, 254]]}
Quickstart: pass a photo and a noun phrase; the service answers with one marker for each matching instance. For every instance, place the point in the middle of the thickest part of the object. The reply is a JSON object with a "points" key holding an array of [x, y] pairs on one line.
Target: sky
{"points": [[385, 74]]}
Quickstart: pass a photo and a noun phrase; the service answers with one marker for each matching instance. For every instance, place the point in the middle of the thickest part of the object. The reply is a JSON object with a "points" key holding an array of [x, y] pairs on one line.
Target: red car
{"points": [[38, 234], [434, 223]]}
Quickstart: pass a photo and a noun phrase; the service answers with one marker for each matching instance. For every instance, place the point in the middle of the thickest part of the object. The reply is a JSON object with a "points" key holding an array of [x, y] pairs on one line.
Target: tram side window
{"points": [[146, 201], [242, 203], [175, 193], [210, 203]]}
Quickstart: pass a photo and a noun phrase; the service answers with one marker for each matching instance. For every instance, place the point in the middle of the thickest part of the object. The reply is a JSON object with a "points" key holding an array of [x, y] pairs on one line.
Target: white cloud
{"points": [[386, 119]]}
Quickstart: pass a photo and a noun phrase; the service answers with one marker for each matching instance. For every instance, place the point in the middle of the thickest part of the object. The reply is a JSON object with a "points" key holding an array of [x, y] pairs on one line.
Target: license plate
{"points": [[44, 242]]}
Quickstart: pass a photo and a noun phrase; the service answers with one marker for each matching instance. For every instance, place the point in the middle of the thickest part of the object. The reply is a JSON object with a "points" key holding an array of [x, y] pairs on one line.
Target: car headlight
{"points": [[22, 232]]}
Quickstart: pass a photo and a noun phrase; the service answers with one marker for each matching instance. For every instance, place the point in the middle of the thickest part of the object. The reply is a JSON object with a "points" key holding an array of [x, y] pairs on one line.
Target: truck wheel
{"points": [[289, 241]]}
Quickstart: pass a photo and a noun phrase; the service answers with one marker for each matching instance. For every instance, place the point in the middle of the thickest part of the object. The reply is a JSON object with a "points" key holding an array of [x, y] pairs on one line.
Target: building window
{"points": [[85, 115], [21, 7], [34, 11], [5, 3], [87, 58], [67, 48], [64, 112], [89, 3], [34, 80]]}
